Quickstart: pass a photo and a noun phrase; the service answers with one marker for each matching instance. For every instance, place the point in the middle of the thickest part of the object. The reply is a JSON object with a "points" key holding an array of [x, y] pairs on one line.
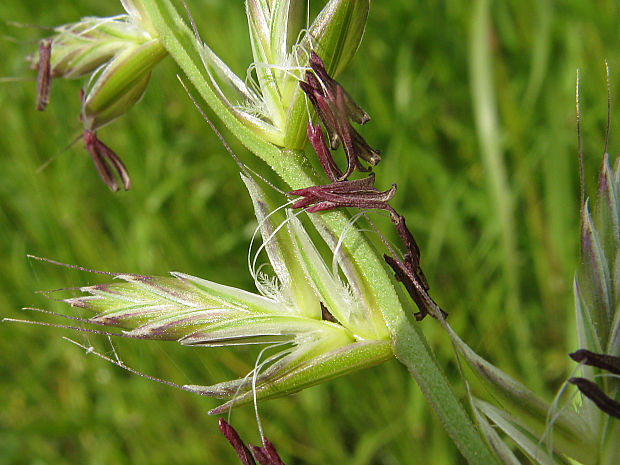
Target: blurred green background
{"points": [[494, 209]]}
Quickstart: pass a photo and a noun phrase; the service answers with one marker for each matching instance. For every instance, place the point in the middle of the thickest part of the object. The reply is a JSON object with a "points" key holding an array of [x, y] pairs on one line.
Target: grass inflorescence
{"points": [[414, 75]]}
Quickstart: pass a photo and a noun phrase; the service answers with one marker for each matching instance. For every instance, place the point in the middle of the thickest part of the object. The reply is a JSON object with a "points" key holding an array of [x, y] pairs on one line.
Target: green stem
{"points": [[411, 349], [409, 344]]}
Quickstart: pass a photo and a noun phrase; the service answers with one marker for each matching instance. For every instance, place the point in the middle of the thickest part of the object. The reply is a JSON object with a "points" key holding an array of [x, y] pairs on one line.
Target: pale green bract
{"points": [[270, 101]]}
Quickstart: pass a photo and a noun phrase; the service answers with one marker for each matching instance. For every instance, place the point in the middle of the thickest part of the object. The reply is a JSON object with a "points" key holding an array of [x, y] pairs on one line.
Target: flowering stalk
{"points": [[287, 314], [102, 157], [372, 317], [375, 281]]}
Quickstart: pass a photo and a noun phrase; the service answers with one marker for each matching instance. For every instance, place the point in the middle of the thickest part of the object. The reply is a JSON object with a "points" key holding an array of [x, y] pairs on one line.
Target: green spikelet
{"points": [[597, 284], [311, 322]]}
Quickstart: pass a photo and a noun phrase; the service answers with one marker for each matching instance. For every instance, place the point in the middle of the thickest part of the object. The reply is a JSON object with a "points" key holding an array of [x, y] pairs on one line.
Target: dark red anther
{"points": [[593, 392], [603, 361], [415, 288], [233, 438], [354, 111], [103, 156], [266, 455], [44, 74], [412, 254], [326, 314], [335, 108], [359, 193], [315, 134]]}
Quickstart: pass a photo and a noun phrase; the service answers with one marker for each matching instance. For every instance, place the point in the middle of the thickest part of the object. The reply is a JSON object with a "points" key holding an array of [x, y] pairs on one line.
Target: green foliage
{"points": [[188, 211]]}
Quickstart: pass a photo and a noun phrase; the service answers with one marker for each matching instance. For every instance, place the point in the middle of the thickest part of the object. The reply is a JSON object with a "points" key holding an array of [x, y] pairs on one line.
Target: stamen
{"points": [[359, 193], [593, 392], [603, 361], [412, 254], [325, 314], [416, 289], [315, 134], [235, 440], [355, 112], [102, 155], [44, 74], [335, 108], [266, 455]]}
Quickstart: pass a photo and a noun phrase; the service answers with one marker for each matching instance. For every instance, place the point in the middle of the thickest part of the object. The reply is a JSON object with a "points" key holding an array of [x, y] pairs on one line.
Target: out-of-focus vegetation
{"points": [[503, 274]]}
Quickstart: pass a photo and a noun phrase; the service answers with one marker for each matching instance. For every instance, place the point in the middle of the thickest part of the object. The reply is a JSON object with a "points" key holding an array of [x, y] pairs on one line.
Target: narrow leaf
{"points": [[500, 448], [526, 441], [572, 435]]}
